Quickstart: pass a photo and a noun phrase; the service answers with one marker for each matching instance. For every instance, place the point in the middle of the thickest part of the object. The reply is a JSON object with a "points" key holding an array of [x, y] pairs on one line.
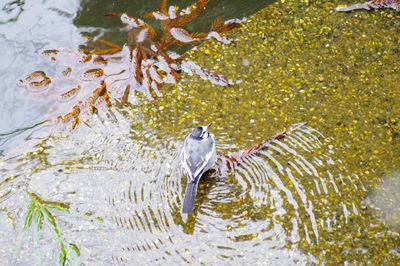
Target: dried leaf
{"points": [[137, 64], [100, 61], [51, 54], [75, 122], [199, 35], [228, 27]]}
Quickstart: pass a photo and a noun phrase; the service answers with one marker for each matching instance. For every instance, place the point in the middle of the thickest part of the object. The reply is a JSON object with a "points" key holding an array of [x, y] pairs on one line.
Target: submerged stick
{"points": [[231, 161]]}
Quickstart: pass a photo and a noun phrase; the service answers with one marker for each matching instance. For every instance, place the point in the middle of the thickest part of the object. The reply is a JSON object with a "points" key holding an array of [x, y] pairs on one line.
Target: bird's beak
{"points": [[208, 126]]}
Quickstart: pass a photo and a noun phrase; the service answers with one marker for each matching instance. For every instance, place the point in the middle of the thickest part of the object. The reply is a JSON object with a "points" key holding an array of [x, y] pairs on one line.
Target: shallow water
{"points": [[28, 28], [326, 194]]}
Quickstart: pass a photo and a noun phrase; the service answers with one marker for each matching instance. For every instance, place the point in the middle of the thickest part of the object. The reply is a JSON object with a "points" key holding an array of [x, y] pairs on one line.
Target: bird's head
{"points": [[201, 132]]}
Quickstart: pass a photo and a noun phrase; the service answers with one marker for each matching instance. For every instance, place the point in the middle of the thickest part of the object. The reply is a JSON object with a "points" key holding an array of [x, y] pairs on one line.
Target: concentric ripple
{"points": [[277, 197]]}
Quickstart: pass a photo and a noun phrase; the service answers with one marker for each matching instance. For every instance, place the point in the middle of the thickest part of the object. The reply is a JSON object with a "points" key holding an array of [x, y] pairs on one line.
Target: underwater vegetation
{"points": [[102, 71], [40, 212], [296, 191], [373, 4]]}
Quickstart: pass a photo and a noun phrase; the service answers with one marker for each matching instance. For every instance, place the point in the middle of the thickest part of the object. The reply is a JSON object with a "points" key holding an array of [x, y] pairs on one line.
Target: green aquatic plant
{"points": [[102, 71], [40, 212]]}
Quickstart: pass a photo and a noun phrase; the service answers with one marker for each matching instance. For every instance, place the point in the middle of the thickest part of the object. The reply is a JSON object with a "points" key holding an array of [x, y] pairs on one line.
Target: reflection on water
{"points": [[292, 193], [26, 28], [138, 191], [90, 11], [305, 199], [385, 200]]}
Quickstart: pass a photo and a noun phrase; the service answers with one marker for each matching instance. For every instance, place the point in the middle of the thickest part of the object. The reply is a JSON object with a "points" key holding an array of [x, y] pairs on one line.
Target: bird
{"points": [[198, 155]]}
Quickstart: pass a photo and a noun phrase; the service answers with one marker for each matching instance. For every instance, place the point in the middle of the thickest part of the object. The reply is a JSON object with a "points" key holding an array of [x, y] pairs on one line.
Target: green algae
{"points": [[305, 62]]}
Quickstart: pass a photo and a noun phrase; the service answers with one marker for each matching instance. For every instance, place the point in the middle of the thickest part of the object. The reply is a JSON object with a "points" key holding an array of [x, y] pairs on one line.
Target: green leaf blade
{"points": [[29, 215]]}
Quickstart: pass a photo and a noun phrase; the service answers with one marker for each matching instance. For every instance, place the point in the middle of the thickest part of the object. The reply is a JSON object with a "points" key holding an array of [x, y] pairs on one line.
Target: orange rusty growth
{"points": [[105, 98], [164, 6], [37, 79], [86, 58], [76, 110], [195, 10], [145, 62], [98, 92], [137, 63], [125, 97], [67, 71], [99, 60], [71, 92], [51, 54], [75, 122], [218, 23], [93, 73], [106, 51], [112, 48]]}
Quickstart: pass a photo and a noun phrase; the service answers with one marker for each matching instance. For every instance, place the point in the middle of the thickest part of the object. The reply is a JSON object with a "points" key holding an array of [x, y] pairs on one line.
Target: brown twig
{"points": [[231, 161]]}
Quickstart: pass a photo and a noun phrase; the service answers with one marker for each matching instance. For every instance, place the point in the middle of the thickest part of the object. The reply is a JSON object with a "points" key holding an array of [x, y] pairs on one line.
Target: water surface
{"points": [[325, 194]]}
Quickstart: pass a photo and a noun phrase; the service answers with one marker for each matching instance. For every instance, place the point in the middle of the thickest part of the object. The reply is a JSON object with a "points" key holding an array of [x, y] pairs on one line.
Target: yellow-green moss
{"points": [[302, 61]]}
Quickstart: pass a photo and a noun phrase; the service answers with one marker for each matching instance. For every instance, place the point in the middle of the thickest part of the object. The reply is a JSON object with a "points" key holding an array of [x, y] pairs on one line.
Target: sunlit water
{"points": [[138, 191], [325, 193]]}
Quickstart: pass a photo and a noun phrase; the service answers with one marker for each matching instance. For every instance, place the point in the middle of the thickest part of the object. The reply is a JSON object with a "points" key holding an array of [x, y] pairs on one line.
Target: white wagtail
{"points": [[197, 156]]}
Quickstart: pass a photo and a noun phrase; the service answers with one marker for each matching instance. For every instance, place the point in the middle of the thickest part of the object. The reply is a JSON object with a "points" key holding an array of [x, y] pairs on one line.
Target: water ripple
{"points": [[276, 196]]}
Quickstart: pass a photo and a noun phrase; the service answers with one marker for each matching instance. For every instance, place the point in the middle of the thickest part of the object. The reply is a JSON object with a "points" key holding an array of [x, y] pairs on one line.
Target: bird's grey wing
{"points": [[192, 163], [205, 162], [195, 163]]}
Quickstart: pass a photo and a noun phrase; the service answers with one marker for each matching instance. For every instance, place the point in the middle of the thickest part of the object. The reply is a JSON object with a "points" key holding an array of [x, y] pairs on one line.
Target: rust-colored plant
{"points": [[102, 71]]}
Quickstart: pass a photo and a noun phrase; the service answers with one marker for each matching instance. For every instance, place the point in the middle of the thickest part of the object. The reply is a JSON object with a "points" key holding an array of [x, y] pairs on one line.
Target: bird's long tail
{"points": [[190, 196]]}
